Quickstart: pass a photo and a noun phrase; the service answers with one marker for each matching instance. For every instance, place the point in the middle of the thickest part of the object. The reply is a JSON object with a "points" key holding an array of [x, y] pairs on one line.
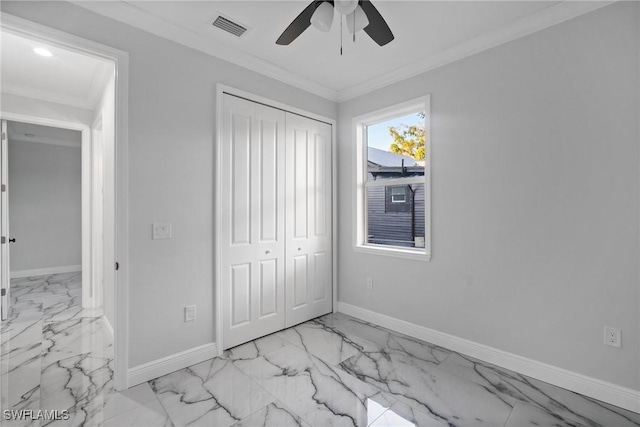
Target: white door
{"points": [[309, 229], [252, 230], [4, 223]]}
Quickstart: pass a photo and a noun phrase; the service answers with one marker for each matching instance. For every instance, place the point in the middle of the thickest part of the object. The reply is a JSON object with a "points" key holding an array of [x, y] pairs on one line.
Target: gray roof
{"points": [[385, 158]]}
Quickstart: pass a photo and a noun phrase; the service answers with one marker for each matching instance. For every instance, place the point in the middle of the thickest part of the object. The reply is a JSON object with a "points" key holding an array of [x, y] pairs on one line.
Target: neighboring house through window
{"points": [[393, 203]]}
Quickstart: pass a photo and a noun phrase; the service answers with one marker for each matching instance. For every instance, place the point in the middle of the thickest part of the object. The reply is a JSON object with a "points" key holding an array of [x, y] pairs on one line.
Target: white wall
{"points": [[45, 210], [171, 155], [535, 183]]}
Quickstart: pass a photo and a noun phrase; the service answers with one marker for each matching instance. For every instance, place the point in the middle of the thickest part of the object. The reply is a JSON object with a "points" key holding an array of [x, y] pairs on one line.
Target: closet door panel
{"points": [[252, 231], [240, 300], [268, 190], [309, 289], [268, 287], [300, 193], [320, 276], [320, 186], [240, 152], [299, 283]]}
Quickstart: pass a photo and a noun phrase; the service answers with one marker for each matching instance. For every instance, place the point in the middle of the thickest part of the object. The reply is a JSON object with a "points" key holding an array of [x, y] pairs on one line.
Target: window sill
{"points": [[415, 254]]}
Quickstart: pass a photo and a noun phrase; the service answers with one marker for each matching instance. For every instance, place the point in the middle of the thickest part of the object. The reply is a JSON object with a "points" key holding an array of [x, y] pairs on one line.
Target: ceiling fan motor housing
{"points": [[320, 13], [345, 7]]}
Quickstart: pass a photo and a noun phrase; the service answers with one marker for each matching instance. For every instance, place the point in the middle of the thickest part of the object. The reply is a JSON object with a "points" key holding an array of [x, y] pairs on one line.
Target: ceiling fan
{"points": [[360, 15]]}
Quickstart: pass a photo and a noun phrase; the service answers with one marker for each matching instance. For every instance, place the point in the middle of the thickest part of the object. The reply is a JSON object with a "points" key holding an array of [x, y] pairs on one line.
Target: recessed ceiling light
{"points": [[42, 52]]}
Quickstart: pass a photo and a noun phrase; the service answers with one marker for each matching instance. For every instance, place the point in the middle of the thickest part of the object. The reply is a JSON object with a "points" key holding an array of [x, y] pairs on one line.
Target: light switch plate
{"points": [[161, 230]]}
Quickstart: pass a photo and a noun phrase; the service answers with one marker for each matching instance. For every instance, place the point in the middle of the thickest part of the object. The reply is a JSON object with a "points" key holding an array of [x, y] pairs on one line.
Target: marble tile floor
{"points": [[332, 371], [53, 354]]}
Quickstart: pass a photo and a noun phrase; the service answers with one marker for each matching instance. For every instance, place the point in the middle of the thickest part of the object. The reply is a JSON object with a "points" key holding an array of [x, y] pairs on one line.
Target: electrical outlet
{"points": [[369, 283], [190, 313], [612, 336]]}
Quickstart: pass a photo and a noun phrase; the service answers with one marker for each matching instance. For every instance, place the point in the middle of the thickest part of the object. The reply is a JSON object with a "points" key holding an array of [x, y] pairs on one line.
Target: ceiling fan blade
{"points": [[377, 29], [298, 25]]}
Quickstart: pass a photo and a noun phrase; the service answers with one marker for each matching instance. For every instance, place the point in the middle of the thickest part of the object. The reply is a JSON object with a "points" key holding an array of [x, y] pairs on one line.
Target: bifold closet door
{"points": [[252, 228], [309, 229]]}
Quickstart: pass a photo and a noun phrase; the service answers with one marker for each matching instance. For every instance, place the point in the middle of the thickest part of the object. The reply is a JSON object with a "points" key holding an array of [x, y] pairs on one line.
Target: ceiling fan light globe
{"points": [[323, 17], [345, 7], [357, 20]]}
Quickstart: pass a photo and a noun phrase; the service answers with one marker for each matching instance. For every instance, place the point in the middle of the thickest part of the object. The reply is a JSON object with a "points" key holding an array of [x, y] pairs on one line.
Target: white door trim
{"points": [[5, 279], [220, 89], [97, 209], [55, 37]]}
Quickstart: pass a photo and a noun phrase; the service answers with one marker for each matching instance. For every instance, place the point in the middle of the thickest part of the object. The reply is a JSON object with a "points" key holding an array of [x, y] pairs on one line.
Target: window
{"points": [[392, 181], [398, 194]]}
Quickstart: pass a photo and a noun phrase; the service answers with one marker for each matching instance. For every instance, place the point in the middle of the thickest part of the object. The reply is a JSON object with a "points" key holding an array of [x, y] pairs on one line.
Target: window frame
{"points": [[361, 184]]}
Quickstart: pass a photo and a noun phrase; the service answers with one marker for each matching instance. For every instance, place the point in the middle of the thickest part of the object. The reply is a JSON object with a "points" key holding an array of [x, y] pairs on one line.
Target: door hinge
{"points": [[117, 266], [4, 136], [3, 240], [3, 292], [3, 188]]}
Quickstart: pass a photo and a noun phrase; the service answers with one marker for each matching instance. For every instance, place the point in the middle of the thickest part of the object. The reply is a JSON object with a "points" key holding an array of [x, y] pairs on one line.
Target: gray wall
{"points": [[535, 185], [45, 205], [171, 162]]}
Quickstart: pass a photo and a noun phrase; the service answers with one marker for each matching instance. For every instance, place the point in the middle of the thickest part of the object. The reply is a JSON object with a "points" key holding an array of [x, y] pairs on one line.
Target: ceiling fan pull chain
{"points": [[354, 27], [340, 35]]}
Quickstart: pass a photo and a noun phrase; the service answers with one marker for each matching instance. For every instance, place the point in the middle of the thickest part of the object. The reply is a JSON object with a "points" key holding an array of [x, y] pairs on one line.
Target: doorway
{"points": [[43, 198], [98, 111]]}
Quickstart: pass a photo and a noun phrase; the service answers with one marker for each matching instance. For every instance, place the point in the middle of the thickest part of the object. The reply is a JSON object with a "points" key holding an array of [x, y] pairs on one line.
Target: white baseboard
{"points": [[601, 390], [108, 328], [166, 365], [45, 271]]}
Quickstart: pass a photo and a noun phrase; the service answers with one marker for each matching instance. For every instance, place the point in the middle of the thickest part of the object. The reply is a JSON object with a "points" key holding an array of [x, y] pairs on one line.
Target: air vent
{"points": [[229, 26]]}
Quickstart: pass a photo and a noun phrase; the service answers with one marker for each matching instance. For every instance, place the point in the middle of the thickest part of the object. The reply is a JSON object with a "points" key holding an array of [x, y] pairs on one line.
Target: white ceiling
{"points": [[421, 29], [427, 34], [66, 77]]}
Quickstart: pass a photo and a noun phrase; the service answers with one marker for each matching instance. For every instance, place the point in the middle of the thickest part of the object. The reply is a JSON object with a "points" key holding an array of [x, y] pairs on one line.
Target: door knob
{"points": [[12, 240]]}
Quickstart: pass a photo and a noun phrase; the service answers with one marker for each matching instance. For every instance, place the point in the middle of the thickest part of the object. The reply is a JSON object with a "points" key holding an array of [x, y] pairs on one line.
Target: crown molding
{"points": [[45, 95], [522, 27], [142, 19]]}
